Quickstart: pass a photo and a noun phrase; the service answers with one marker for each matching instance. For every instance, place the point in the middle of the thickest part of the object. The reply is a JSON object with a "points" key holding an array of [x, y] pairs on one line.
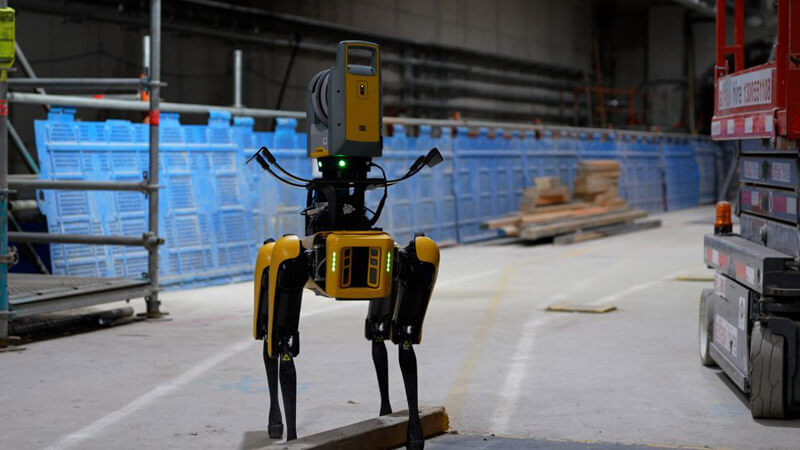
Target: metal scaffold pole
{"points": [[237, 78], [155, 91], [5, 256]]}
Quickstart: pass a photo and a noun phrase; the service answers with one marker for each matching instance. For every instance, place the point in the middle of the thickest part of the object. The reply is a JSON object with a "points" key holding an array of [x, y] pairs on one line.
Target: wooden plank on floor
{"points": [[554, 229], [594, 309], [601, 232], [377, 433]]}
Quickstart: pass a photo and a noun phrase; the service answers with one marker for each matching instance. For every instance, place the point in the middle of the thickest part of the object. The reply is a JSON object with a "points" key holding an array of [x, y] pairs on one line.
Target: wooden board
{"points": [[380, 432], [535, 232], [594, 309], [515, 218], [601, 232]]}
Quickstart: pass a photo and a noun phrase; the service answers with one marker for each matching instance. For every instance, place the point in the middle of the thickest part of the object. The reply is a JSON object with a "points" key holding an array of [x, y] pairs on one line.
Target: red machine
{"points": [[761, 101], [750, 320]]}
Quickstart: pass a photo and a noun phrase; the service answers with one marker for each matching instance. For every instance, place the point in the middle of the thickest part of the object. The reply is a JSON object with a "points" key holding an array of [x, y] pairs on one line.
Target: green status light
{"points": [[319, 164], [389, 261], [333, 262], [342, 163]]}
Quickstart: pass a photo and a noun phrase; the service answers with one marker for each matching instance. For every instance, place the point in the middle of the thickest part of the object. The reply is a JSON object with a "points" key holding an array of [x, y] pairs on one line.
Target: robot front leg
{"points": [[260, 323], [286, 274], [377, 329], [419, 263]]}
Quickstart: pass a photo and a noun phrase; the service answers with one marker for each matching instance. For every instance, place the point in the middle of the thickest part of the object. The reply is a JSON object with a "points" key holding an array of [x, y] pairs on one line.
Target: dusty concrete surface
{"points": [[491, 355]]}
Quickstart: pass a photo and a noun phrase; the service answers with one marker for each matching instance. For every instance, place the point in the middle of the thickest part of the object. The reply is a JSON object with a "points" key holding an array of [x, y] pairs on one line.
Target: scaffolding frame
{"points": [[115, 289]]}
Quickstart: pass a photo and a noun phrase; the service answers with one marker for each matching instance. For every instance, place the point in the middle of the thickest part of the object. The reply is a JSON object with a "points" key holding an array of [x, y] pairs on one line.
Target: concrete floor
{"points": [[491, 355]]}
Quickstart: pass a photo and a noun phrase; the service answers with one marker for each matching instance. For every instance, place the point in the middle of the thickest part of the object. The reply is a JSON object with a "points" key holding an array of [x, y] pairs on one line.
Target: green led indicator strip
{"points": [[389, 261], [333, 262]]}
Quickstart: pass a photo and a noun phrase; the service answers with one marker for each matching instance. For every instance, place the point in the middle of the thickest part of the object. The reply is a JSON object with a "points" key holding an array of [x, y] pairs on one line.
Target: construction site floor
{"points": [[506, 370]]}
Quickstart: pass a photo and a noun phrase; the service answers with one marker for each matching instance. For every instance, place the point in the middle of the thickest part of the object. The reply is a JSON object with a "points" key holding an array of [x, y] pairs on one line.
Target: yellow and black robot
{"points": [[343, 255]]}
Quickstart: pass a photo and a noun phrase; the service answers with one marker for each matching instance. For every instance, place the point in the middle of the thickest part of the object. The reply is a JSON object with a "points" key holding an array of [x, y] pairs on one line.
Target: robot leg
{"points": [[419, 263], [260, 321], [287, 276], [377, 329]]}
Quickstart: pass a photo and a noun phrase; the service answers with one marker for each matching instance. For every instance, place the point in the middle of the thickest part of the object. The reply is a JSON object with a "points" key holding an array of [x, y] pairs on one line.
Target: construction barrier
{"points": [[216, 210]]}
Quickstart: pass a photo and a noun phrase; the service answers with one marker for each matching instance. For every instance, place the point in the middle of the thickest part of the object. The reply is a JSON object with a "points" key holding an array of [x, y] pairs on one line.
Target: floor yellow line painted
{"points": [[458, 390]]}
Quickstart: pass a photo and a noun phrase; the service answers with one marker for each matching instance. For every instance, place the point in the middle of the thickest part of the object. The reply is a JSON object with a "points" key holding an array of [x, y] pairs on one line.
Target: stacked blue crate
{"points": [[553, 157], [201, 215], [528, 148], [680, 174], [472, 185], [399, 214], [227, 196], [68, 151], [282, 203], [444, 189], [521, 172], [425, 206], [505, 165], [245, 139], [707, 169]]}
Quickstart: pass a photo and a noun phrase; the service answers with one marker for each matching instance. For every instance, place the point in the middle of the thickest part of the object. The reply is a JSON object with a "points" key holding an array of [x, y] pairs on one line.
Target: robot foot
{"points": [[381, 361], [408, 366], [275, 426], [288, 377]]}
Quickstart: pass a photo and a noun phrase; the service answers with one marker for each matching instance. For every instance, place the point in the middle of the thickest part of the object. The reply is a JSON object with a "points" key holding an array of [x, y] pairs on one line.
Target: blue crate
{"points": [[201, 205], [215, 211], [681, 176], [707, 170], [640, 183]]}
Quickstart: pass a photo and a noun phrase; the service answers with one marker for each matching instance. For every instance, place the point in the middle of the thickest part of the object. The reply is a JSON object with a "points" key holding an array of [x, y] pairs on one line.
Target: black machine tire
{"points": [[705, 329], [767, 398]]}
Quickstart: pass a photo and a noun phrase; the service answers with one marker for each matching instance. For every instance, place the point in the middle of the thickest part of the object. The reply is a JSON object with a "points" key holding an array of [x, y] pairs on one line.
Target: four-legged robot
{"points": [[344, 256]]}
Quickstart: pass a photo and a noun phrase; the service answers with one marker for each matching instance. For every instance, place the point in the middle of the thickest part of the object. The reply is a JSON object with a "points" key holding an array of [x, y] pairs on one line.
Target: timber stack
{"points": [[596, 211]]}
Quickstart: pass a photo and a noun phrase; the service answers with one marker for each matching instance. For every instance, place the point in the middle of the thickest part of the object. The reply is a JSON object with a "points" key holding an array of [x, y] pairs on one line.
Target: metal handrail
{"points": [[81, 185], [147, 240]]}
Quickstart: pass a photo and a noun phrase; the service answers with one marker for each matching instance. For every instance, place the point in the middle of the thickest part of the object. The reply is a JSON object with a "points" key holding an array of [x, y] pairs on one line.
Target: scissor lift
{"points": [[750, 320]]}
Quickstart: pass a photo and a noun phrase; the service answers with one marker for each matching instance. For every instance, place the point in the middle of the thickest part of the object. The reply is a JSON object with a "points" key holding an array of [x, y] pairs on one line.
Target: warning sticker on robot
{"points": [[747, 89], [725, 335]]}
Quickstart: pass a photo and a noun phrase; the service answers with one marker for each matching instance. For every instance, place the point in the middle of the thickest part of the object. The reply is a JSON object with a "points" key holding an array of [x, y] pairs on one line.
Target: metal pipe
{"points": [[146, 240], [237, 78], [75, 82], [20, 205], [28, 69], [23, 150], [152, 204], [81, 185], [146, 53], [3, 203], [132, 105]]}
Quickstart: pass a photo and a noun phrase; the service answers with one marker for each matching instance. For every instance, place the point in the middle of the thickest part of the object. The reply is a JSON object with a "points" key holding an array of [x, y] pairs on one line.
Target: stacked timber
{"points": [[546, 210], [547, 191], [598, 182]]}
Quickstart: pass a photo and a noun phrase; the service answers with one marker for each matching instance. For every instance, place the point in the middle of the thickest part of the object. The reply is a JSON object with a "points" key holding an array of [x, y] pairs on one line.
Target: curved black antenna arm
{"points": [[377, 214], [265, 165], [431, 159], [265, 153]]}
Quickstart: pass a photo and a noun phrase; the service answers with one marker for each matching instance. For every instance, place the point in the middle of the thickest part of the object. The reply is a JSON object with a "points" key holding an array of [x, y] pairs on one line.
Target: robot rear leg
{"points": [[419, 263], [377, 329]]}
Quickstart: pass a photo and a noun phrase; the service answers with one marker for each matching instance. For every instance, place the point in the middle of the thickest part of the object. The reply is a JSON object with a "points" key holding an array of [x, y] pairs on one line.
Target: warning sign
{"points": [[747, 89]]}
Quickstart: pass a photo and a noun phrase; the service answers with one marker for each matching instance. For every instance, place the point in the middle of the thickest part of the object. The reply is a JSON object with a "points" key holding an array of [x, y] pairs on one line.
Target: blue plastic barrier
{"points": [[215, 211], [201, 216], [680, 174], [640, 183], [707, 169]]}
